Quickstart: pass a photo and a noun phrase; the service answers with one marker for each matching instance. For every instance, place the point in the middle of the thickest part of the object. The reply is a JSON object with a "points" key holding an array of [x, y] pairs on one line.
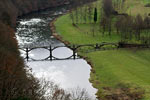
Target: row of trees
{"points": [[82, 14], [112, 22], [85, 14], [118, 4], [128, 27], [133, 27]]}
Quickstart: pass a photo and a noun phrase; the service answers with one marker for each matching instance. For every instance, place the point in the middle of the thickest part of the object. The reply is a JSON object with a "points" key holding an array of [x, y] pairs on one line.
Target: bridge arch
{"points": [[50, 55]]}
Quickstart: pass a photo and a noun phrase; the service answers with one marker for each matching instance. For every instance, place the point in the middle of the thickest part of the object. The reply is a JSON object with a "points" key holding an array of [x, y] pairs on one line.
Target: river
{"points": [[33, 30]]}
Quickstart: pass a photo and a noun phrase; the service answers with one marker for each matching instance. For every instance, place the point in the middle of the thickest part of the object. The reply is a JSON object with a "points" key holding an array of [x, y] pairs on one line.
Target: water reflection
{"points": [[33, 31], [62, 52], [37, 55], [68, 74]]}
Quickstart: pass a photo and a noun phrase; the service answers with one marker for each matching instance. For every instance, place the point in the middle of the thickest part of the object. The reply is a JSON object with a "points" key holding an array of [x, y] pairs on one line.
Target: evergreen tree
{"points": [[95, 15]]}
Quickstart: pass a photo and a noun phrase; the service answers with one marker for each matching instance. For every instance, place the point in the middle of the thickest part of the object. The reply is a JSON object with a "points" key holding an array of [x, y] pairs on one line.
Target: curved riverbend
{"points": [[68, 74]]}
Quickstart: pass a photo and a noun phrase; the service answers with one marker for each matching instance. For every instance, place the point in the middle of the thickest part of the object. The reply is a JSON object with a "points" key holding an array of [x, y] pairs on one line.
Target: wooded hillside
{"points": [[15, 81]]}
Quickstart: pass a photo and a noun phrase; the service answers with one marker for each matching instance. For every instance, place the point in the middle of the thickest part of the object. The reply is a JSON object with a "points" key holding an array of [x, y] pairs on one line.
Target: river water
{"points": [[33, 30]]}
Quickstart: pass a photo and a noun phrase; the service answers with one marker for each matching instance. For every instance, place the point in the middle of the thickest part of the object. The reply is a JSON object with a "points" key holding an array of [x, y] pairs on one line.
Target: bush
{"points": [[122, 92], [147, 5]]}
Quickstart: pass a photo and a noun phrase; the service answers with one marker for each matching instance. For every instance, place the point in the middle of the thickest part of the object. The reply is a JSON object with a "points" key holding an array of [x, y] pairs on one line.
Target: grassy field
{"points": [[127, 66], [135, 7], [75, 36], [121, 66]]}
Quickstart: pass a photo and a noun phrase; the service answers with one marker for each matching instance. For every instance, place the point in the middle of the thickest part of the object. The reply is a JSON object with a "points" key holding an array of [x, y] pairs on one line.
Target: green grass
{"points": [[121, 66], [146, 1], [135, 7], [75, 36], [110, 67]]}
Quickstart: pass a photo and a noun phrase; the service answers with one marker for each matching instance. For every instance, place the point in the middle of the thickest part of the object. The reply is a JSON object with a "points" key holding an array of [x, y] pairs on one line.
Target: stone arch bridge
{"points": [[74, 48]]}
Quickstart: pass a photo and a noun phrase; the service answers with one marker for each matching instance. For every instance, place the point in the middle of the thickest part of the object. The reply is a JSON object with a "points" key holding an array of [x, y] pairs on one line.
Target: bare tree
{"points": [[80, 15], [147, 24], [85, 14], [109, 24], [90, 9], [103, 23], [72, 17], [79, 94], [107, 7], [77, 15], [52, 91], [138, 26]]}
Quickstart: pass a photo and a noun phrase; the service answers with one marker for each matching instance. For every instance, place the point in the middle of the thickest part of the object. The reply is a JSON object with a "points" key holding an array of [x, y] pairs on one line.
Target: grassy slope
{"points": [[75, 36], [111, 67], [137, 7], [121, 66]]}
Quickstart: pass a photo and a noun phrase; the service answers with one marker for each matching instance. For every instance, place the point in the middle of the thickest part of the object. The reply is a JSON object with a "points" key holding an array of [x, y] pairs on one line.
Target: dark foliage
{"points": [[95, 15]]}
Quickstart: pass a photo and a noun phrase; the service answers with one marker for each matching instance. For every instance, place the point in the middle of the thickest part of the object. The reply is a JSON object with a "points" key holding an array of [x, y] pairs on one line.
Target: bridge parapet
{"points": [[74, 48]]}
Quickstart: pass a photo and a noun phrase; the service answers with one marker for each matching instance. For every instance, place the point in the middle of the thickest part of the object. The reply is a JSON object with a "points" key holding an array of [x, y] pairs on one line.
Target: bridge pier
{"points": [[51, 56], [27, 54], [97, 46], [74, 53]]}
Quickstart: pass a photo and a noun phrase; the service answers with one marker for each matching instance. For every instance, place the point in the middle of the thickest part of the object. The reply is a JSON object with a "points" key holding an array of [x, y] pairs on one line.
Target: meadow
{"points": [[128, 67]]}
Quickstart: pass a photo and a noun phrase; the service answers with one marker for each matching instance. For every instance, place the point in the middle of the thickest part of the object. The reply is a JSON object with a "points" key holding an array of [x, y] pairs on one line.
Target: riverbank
{"points": [[57, 71], [60, 38], [16, 82], [11, 10], [111, 70]]}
